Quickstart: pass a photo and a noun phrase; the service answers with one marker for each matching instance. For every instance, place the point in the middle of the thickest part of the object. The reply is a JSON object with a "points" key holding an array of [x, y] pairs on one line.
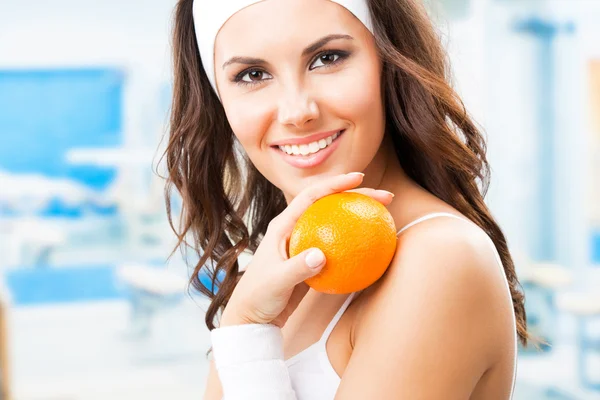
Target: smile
{"points": [[311, 154], [310, 148]]}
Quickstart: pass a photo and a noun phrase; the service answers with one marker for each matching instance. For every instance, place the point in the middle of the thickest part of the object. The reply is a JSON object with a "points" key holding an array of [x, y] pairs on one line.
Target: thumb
{"points": [[303, 266]]}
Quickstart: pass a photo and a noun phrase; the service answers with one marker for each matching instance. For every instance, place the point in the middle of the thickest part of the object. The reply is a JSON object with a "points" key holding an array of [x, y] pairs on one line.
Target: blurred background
{"points": [[90, 306]]}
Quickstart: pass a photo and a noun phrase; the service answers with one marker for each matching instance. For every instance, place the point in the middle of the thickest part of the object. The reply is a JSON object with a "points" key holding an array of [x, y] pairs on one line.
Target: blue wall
{"points": [[43, 113], [40, 285]]}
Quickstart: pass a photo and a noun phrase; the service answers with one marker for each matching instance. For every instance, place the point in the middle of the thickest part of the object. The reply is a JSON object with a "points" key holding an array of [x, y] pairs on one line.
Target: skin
{"points": [[449, 330]]}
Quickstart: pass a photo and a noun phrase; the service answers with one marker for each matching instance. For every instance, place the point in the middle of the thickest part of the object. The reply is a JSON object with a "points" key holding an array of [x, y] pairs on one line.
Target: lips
{"points": [[305, 140], [310, 148], [313, 159]]}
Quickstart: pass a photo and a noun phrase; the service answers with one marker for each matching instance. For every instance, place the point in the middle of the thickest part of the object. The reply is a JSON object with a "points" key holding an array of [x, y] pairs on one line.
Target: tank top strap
{"points": [[337, 317], [429, 216]]}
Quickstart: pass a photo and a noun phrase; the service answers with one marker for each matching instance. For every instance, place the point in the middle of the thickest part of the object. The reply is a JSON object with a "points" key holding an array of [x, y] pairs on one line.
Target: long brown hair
{"points": [[227, 203]]}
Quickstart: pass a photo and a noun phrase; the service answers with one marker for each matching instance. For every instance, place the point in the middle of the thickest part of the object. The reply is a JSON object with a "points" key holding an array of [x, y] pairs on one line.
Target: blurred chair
{"points": [[151, 289], [585, 307], [31, 241], [5, 371], [31, 238]]}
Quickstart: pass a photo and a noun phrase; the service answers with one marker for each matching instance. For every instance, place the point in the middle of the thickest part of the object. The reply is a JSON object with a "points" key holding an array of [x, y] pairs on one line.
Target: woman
{"points": [[276, 103]]}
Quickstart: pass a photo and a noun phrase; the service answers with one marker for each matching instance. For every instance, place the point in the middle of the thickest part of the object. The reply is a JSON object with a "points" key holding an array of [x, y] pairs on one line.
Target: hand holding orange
{"points": [[353, 240], [356, 233]]}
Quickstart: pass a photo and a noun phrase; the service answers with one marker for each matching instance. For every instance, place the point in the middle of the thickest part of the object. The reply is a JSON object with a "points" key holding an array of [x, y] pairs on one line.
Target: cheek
{"points": [[249, 122], [356, 97]]}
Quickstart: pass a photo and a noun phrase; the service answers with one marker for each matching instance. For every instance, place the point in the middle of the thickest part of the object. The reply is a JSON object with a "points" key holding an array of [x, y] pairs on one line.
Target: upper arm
{"points": [[425, 328], [213, 390]]}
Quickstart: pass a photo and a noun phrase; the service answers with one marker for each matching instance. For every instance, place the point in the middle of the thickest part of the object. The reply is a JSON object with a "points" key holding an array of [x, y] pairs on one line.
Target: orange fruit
{"points": [[356, 233]]}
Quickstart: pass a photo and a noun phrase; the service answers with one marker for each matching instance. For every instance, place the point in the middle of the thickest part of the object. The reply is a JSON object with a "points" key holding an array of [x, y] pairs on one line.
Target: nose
{"points": [[297, 109]]}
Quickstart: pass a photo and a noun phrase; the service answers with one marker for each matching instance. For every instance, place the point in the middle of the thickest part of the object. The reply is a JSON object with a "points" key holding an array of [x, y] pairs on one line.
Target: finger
{"points": [[301, 267], [309, 195], [382, 196]]}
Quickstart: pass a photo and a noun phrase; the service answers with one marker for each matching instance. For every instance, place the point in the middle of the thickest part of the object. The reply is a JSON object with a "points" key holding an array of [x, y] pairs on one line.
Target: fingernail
{"points": [[385, 191], [315, 258], [356, 173]]}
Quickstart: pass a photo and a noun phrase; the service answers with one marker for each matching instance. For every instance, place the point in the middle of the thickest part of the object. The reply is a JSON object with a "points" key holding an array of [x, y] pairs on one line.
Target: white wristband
{"points": [[250, 362]]}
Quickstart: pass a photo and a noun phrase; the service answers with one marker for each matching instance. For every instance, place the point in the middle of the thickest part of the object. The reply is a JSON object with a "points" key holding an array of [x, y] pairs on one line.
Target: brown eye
{"points": [[255, 75], [326, 59], [251, 77]]}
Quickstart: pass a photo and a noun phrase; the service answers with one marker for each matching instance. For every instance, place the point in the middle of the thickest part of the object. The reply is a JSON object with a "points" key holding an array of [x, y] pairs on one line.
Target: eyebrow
{"points": [[308, 50]]}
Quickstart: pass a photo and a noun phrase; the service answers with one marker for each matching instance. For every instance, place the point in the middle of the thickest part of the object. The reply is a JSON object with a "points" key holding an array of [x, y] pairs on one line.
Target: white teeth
{"points": [[310, 148], [304, 150]]}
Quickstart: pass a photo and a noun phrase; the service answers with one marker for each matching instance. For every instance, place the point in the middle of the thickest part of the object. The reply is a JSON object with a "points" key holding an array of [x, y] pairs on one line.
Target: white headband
{"points": [[211, 15]]}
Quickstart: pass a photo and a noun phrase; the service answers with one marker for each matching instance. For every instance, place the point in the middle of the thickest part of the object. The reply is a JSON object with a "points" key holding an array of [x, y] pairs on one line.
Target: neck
{"points": [[385, 171]]}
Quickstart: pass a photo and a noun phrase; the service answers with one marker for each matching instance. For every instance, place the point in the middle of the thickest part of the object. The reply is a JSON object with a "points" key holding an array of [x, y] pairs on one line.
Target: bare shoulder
{"points": [[445, 241], [441, 309], [453, 251], [447, 270]]}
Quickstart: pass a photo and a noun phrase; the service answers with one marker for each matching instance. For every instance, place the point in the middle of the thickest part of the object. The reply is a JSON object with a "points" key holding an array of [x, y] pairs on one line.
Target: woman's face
{"points": [[301, 93]]}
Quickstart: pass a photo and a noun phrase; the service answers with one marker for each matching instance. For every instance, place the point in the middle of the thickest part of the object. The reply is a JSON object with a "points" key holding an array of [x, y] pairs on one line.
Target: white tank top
{"points": [[311, 373]]}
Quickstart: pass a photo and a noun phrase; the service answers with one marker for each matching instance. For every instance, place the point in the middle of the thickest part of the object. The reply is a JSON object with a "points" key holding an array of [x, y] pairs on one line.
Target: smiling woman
{"points": [[310, 91]]}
